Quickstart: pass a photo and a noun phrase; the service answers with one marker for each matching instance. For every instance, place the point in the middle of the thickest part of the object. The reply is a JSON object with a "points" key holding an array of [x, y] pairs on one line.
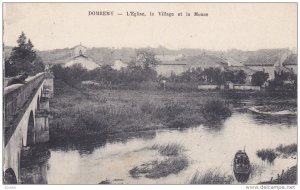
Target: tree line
{"points": [[208, 75], [140, 69], [23, 59]]}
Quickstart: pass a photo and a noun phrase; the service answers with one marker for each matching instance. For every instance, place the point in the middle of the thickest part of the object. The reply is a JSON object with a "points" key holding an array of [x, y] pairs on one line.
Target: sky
{"points": [[245, 26]]}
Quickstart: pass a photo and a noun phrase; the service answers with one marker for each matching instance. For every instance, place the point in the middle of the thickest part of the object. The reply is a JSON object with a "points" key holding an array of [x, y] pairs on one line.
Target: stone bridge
{"points": [[26, 114]]}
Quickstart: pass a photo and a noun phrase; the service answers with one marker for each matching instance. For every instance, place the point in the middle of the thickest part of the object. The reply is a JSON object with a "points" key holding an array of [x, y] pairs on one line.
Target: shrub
{"points": [[147, 107], [169, 111], [215, 111]]}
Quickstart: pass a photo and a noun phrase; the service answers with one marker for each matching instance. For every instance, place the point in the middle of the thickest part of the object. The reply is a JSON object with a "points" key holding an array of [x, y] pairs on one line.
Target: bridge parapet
{"points": [[26, 119], [16, 96]]}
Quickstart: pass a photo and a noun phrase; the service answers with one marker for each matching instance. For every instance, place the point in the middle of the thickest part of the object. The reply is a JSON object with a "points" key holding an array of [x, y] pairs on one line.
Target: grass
{"points": [[288, 177], [83, 112], [157, 169], [267, 154], [256, 169], [215, 111], [211, 177], [271, 154], [287, 150], [171, 149], [172, 163]]}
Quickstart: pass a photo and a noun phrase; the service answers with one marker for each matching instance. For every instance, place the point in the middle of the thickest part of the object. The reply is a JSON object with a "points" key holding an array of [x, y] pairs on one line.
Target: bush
{"points": [[168, 113], [215, 111], [147, 107], [259, 78]]}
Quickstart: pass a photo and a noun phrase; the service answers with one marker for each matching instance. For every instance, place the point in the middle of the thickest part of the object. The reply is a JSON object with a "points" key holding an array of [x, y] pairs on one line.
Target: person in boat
{"points": [[18, 79]]}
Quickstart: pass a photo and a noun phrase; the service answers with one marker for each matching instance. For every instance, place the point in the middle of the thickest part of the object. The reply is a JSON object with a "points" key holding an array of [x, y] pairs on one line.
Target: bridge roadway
{"points": [[25, 122]]}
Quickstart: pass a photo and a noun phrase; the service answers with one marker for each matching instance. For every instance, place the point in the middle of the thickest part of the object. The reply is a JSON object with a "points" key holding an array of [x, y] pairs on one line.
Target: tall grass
{"points": [[256, 170], [287, 150], [211, 177], [82, 111], [171, 149], [157, 169], [267, 154]]}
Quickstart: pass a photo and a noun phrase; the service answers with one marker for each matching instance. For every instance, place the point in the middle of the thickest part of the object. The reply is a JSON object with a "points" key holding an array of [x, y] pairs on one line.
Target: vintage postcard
{"points": [[150, 93]]}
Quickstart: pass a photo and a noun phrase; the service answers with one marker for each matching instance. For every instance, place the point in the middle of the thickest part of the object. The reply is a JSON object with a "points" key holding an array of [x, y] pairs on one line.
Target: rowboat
{"points": [[241, 166]]}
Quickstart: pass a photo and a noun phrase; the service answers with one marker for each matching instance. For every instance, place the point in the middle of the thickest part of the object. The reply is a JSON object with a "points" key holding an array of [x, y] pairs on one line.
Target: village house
{"points": [[119, 64], [167, 57], [270, 62], [267, 68], [291, 63], [170, 64], [167, 69], [79, 56]]}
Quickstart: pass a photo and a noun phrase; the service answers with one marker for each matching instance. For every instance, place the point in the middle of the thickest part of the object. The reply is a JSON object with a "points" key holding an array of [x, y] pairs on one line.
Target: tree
{"points": [[10, 69], [38, 65], [240, 77], [214, 75], [71, 75], [229, 76], [145, 58], [284, 80], [259, 78], [22, 56], [22, 41]]}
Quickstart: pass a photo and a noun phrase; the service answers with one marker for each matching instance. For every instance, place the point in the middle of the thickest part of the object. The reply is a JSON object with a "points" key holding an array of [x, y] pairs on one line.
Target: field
{"points": [[82, 112]]}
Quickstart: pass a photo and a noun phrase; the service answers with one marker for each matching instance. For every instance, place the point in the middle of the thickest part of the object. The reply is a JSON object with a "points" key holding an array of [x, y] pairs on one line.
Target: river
{"points": [[113, 157]]}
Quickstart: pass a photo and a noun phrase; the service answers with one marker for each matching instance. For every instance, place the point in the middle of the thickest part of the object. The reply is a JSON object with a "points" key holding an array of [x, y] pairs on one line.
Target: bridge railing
{"points": [[16, 96]]}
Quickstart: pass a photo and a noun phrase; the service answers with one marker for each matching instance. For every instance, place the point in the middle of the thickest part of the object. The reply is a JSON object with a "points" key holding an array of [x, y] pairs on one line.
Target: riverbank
{"points": [[288, 177], [86, 112]]}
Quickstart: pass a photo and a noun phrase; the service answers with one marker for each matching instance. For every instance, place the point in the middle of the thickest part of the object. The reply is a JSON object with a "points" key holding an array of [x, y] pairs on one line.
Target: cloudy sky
{"points": [[242, 26]]}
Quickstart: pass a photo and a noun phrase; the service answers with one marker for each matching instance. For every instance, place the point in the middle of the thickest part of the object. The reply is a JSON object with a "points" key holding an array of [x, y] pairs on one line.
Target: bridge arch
{"points": [[38, 103], [9, 177], [30, 130]]}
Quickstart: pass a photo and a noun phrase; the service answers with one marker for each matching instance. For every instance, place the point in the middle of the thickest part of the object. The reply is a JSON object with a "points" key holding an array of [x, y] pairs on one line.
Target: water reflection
{"points": [[88, 145], [34, 165], [288, 121]]}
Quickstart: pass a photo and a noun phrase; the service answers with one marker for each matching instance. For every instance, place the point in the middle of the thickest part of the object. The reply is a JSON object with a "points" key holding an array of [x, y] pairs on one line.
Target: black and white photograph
{"points": [[149, 93]]}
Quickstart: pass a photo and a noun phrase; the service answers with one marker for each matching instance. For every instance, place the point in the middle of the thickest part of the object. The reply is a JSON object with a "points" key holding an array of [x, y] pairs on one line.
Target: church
{"points": [[79, 56]]}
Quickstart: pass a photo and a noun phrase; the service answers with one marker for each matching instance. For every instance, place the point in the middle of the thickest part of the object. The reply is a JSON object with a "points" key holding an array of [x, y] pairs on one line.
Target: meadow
{"points": [[84, 111]]}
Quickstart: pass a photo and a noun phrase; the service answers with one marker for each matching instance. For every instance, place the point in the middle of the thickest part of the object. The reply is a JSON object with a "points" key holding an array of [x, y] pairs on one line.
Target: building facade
{"points": [[79, 56]]}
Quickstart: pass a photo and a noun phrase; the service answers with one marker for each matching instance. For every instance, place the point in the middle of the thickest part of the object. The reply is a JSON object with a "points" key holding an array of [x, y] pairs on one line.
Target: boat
{"points": [[275, 113], [241, 166]]}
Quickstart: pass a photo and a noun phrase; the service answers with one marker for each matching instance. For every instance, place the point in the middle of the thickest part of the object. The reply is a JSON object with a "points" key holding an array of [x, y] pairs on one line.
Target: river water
{"points": [[206, 149]]}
